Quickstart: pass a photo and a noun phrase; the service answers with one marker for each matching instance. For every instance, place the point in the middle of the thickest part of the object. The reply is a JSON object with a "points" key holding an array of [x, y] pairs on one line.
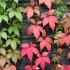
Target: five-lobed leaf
{"points": [[29, 49], [51, 20], [35, 29], [45, 42], [42, 59], [30, 11]]}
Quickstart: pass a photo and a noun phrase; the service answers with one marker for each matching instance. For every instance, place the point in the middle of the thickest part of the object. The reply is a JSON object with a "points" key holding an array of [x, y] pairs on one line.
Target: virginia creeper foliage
{"points": [[37, 29]]}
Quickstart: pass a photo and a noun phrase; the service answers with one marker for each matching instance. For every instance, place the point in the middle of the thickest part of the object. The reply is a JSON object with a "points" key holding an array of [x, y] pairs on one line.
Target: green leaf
{"points": [[1, 41], [8, 42], [3, 4], [3, 51], [13, 44], [11, 14], [20, 9], [16, 1], [17, 40], [10, 9], [5, 18], [19, 16], [10, 29], [0, 18], [4, 35], [16, 31]]}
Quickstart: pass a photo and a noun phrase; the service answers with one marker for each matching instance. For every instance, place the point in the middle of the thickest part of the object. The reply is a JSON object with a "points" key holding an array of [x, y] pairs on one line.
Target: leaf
{"points": [[33, 21], [48, 3], [3, 4], [9, 55], [45, 42], [30, 54], [35, 29], [42, 60], [14, 58], [29, 11], [19, 9], [11, 14], [19, 16], [29, 49], [24, 45], [0, 18], [36, 10], [51, 20], [36, 33], [13, 44], [16, 31], [51, 12], [4, 35], [10, 29], [3, 51], [23, 52], [63, 38], [5, 18], [16, 1], [8, 42]]}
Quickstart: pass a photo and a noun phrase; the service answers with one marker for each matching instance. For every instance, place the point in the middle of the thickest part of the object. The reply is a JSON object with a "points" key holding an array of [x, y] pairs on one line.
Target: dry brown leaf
{"points": [[66, 21]]}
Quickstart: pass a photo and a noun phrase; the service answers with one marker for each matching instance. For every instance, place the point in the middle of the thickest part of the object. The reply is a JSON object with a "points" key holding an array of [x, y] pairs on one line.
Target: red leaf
{"points": [[35, 29], [29, 50], [48, 46], [42, 44], [51, 12], [42, 64], [47, 60], [40, 39], [45, 42], [23, 52], [49, 40], [34, 50], [24, 45], [45, 21], [45, 54], [39, 22], [43, 15], [30, 29], [29, 11], [42, 60], [40, 28], [63, 38], [38, 60], [51, 20], [36, 33], [30, 54], [61, 35], [44, 33], [48, 3]]}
